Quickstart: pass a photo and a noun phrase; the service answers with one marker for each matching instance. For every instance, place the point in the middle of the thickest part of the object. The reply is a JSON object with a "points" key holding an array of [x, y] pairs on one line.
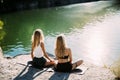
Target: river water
{"points": [[92, 30]]}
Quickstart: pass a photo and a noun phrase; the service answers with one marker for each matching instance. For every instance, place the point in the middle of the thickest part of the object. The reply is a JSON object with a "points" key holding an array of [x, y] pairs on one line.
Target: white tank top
{"points": [[38, 51]]}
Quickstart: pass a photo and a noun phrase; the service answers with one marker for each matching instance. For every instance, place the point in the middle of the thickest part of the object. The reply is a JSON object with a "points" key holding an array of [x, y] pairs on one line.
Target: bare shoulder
{"points": [[42, 44], [68, 49]]}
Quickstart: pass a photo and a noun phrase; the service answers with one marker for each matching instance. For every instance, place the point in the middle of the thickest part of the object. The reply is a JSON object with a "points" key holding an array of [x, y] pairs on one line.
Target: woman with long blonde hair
{"points": [[64, 56], [38, 53]]}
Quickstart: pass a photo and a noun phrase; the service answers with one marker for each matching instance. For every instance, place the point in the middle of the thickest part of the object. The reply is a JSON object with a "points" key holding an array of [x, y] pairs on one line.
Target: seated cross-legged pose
{"points": [[64, 56], [38, 53]]}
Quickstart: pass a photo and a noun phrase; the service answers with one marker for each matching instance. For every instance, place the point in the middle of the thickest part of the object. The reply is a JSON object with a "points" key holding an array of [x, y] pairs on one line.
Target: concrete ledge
{"points": [[17, 69]]}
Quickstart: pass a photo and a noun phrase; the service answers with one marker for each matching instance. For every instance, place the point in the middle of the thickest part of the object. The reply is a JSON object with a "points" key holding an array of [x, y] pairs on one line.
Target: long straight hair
{"points": [[60, 46], [37, 38]]}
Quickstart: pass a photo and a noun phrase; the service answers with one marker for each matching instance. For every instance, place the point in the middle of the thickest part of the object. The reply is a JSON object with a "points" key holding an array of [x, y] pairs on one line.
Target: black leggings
{"points": [[39, 62], [64, 67]]}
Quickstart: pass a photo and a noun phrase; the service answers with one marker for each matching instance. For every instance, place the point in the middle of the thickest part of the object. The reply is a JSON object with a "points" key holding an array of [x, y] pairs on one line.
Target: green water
{"points": [[88, 29]]}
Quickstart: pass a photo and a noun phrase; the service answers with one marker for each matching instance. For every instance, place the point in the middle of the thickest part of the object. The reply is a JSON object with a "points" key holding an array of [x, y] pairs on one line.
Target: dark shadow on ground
{"points": [[29, 73], [62, 75], [59, 76]]}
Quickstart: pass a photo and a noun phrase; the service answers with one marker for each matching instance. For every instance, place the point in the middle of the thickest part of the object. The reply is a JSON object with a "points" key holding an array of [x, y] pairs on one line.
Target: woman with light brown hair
{"points": [[64, 56], [39, 56]]}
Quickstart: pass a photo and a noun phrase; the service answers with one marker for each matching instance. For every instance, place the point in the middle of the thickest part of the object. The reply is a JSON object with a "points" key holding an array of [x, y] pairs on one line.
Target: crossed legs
{"points": [[76, 64]]}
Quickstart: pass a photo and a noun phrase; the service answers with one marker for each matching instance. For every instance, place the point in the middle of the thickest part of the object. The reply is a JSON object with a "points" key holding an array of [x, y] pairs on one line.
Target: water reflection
{"points": [[91, 32], [100, 41]]}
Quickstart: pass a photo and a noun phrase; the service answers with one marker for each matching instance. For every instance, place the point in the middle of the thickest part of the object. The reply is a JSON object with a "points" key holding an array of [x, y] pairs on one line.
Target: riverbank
{"points": [[17, 69], [35, 4]]}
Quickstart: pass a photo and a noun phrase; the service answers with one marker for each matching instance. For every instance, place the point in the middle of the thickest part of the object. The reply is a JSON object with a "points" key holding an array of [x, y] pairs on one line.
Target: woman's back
{"points": [[38, 51], [64, 57]]}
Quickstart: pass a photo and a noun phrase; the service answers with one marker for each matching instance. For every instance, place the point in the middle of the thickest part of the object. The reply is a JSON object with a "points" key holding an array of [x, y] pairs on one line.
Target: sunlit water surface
{"points": [[92, 31]]}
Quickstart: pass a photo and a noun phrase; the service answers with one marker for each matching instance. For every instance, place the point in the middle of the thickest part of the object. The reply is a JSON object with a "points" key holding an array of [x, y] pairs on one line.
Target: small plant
{"points": [[1, 24], [115, 68]]}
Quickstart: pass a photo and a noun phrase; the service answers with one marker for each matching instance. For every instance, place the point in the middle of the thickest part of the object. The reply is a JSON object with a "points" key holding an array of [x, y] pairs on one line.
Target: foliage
{"points": [[2, 33], [1, 24]]}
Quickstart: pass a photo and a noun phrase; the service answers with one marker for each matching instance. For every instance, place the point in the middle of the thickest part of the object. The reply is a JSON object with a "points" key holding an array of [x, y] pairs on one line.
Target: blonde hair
{"points": [[60, 46], [37, 37]]}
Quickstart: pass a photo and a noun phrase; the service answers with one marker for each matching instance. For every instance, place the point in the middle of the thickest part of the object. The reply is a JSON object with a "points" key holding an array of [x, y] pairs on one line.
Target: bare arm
{"points": [[32, 53], [70, 54], [44, 52], [56, 54]]}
